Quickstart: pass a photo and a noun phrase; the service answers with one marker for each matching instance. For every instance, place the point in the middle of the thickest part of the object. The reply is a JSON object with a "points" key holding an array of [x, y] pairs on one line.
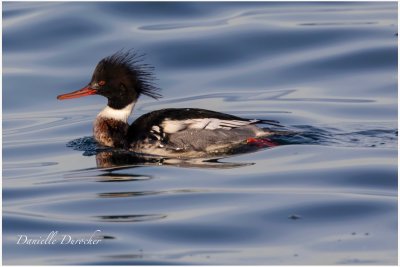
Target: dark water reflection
{"points": [[326, 195]]}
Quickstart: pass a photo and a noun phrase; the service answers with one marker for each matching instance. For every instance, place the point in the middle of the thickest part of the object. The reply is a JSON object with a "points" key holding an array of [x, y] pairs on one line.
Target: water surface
{"points": [[327, 195]]}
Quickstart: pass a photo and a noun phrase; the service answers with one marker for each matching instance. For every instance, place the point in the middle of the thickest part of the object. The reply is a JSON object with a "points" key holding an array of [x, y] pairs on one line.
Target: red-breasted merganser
{"points": [[178, 132]]}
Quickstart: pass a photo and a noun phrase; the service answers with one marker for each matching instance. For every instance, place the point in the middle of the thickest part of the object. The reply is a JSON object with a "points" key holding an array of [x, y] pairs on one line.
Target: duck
{"points": [[174, 132]]}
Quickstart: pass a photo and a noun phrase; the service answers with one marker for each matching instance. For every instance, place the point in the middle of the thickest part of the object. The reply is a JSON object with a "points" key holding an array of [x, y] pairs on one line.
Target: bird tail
{"points": [[270, 122]]}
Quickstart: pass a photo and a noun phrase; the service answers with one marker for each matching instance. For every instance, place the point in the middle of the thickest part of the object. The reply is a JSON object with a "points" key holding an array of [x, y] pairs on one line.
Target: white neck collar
{"points": [[117, 114]]}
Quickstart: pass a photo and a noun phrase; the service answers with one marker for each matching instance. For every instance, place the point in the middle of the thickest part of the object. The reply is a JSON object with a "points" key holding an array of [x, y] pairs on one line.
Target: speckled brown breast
{"points": [[110, 132]]}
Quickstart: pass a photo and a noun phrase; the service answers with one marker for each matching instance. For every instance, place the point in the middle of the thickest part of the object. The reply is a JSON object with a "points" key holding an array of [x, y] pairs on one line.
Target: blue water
{"points": [[327, 195]]}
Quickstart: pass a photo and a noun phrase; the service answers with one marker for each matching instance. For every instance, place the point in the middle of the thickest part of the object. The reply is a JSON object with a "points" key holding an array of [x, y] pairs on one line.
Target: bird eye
{"points": [[101, 83]]}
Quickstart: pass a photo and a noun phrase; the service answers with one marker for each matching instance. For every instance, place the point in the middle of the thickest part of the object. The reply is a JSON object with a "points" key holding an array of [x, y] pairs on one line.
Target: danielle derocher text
{"points": [[54, 238]]}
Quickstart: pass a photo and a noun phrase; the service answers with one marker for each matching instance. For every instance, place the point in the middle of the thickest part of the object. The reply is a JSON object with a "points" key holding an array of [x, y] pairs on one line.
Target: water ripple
{"points": [[326, 70]]}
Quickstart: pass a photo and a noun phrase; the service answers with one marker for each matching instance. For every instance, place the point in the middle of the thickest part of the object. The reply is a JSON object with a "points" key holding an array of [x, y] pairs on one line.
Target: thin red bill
{"points": [[82, 92]]}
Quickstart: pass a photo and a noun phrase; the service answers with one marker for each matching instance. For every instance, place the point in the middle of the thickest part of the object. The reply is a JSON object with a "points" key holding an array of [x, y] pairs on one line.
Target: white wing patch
{"points": [[173, 126]]}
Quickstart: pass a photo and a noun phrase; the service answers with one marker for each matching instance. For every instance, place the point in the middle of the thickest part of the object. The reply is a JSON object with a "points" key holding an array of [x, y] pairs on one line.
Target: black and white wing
{"points": [[170, 126], [165, 122]]}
